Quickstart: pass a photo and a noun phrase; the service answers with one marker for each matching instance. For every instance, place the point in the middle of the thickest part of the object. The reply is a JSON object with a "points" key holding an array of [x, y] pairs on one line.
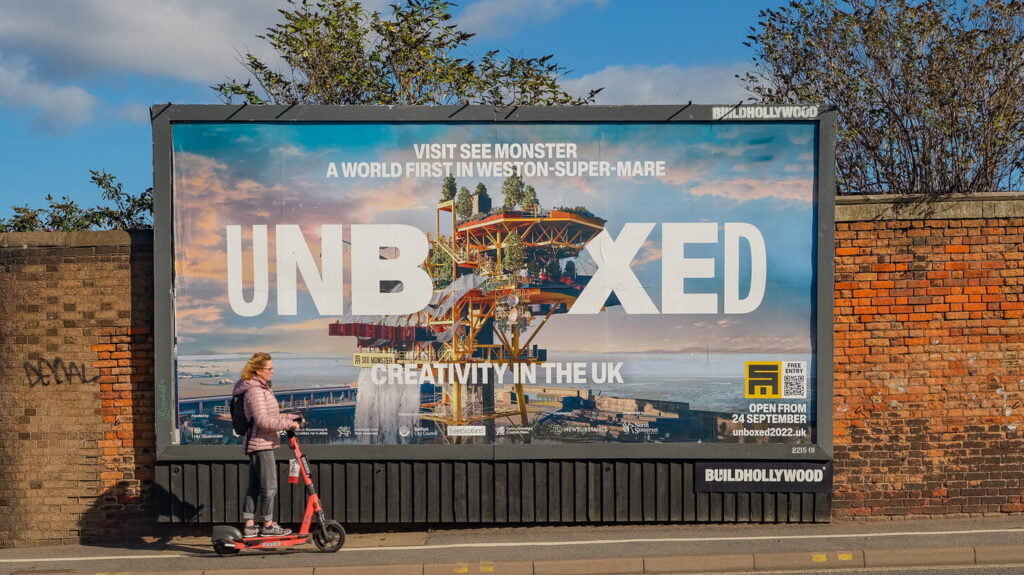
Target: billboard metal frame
{"points": [[164, 116]]}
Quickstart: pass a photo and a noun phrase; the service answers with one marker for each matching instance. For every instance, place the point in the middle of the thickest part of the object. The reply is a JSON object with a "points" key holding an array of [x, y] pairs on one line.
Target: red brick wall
{"points": [[127, 450], [929, 349]]}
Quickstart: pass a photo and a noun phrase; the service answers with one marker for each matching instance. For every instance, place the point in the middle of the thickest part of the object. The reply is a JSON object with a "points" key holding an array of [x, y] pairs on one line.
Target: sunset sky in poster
{"points": [[248, 174]]}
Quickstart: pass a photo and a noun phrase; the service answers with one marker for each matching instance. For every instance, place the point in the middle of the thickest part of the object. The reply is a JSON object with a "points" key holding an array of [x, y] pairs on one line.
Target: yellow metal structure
{"points": [[506, 302]]}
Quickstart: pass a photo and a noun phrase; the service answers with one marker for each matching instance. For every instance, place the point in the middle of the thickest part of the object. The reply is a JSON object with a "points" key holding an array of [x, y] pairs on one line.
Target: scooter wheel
{"points": [[329, 537], [223, 550]]}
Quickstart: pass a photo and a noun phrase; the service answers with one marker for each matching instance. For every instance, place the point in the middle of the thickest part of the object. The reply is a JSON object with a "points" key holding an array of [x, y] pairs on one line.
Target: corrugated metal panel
{"points": [[487, 492]]}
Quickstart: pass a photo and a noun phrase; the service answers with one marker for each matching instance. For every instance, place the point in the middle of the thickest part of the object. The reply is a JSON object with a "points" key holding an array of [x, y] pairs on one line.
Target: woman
{"points": [[264, 435]]}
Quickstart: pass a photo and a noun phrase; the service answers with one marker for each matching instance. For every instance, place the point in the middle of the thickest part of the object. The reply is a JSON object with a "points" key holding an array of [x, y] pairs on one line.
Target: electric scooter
{"points": [[328, 535]]}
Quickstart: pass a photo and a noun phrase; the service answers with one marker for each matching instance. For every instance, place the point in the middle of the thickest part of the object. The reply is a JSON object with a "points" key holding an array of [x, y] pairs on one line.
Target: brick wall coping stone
{"points": [[958, 207], [26, 240]]}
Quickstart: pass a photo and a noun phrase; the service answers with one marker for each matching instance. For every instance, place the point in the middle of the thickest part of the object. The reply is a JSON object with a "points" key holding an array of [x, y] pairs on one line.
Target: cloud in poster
{"points": [[199, 319], [792, 189], [649, 252], [210, 197], [611, 333], [307, 337]]}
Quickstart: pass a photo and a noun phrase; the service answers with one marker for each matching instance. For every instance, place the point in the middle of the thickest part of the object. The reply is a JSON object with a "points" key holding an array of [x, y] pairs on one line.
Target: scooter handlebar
{"points": [[291, 432]]}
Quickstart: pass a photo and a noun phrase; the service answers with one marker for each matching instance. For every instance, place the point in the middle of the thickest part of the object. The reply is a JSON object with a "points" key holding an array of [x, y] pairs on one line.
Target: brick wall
{"points": [[929, 360], [929, 351], [76, 386]]}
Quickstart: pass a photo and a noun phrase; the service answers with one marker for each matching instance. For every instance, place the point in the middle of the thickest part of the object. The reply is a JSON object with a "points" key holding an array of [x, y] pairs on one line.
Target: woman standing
{"points": [[264, 435]]}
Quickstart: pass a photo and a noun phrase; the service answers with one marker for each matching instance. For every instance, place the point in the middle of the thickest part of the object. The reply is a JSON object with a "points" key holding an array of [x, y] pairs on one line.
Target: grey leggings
{"points": [[259, 497]]}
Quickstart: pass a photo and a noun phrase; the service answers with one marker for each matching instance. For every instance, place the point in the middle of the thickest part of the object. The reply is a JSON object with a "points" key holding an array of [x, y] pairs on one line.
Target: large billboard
{"points": [[601, 281]]}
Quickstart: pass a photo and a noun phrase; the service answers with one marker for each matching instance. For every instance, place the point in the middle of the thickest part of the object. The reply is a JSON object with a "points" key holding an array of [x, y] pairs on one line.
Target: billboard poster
{"points": [[500, 283]]}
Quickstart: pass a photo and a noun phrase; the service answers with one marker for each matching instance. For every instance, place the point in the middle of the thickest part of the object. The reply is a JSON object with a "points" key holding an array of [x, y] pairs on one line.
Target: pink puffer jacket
{"points": [[261, 407]]}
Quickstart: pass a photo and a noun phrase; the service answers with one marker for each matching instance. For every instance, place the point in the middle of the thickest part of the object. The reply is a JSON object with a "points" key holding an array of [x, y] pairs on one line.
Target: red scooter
{"points": [[328, 535]]}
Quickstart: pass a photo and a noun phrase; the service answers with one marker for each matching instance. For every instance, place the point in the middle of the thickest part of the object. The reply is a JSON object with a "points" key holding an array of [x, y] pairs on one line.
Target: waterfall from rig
{"points": [[385, 413]]}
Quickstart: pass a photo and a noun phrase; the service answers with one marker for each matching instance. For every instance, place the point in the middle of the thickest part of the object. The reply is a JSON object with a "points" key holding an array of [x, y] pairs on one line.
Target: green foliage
{"points": [[579, 210], [533, 266], [553, 269], [512, 190], [338, 52], [481, 190], [131, 213], [513, 256], [62, 215], [25, 219], [448, 188], [929, 92], [530, 197], [570, 269], [441, 264], [464, 204], [65, 215]]}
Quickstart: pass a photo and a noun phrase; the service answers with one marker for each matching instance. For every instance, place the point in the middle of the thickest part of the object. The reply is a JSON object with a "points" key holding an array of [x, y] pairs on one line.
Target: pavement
{"points": [[568, 550]]}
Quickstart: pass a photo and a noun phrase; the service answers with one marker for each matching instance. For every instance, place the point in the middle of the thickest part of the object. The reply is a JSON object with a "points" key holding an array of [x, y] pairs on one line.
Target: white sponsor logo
{"points": [[466, 431], [763, 112], [421, 431], [640, 428], [764, 475]]}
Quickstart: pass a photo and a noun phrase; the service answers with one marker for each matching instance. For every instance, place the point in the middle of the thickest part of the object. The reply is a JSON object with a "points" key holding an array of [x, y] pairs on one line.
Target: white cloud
{"points": [[501, 18], [54, 52], [58, 108], [668, 84], [192, 40], [134, 113]]}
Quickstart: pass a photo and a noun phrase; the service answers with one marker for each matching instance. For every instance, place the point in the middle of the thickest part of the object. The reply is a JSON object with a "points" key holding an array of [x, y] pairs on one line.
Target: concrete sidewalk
{"points": [[569, 550]]}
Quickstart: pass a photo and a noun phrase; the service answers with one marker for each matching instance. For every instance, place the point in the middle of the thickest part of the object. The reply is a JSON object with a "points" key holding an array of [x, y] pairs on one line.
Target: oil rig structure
{"points": [[498, 279]]}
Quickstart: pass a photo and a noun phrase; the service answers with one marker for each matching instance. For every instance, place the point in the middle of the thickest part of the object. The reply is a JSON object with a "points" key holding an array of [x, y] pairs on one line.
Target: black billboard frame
{"points": [[163, 117]]}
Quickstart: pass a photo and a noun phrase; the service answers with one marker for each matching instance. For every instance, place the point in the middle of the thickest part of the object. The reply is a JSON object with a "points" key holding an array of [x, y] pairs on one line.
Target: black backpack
{"points": [[239, 421]]}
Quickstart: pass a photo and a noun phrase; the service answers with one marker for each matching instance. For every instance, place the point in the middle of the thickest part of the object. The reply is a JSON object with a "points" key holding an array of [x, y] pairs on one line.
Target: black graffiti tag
{"points": [[56, 372]]}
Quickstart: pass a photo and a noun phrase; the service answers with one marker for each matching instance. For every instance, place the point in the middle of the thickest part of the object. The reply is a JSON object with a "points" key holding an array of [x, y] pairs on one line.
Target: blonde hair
{"points": [[255, 363]]}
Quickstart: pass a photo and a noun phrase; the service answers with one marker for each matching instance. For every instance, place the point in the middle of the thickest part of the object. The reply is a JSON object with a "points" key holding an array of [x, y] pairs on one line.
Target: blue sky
{"points": [[77, 76]]}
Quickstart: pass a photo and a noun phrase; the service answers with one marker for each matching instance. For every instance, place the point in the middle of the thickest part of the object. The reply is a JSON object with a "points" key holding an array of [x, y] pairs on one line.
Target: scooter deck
{"points": [[272, 541], [270, 537]]}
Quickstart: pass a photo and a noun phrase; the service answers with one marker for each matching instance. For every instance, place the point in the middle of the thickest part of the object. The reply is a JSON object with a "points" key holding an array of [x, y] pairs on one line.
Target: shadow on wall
{"points": [[121, 519], [126, 512]]}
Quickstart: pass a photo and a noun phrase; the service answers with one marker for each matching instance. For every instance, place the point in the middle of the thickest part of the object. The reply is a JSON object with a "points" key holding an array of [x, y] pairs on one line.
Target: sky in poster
{"points": [[250, 174]]}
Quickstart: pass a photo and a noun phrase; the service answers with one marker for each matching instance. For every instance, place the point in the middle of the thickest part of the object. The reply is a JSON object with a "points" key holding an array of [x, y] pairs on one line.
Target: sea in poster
{"points": [[694, 383], [664, 280]]}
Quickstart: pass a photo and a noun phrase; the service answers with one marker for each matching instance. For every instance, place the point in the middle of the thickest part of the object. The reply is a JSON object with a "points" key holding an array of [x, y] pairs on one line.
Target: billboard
{"points": [[577, 280]]}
